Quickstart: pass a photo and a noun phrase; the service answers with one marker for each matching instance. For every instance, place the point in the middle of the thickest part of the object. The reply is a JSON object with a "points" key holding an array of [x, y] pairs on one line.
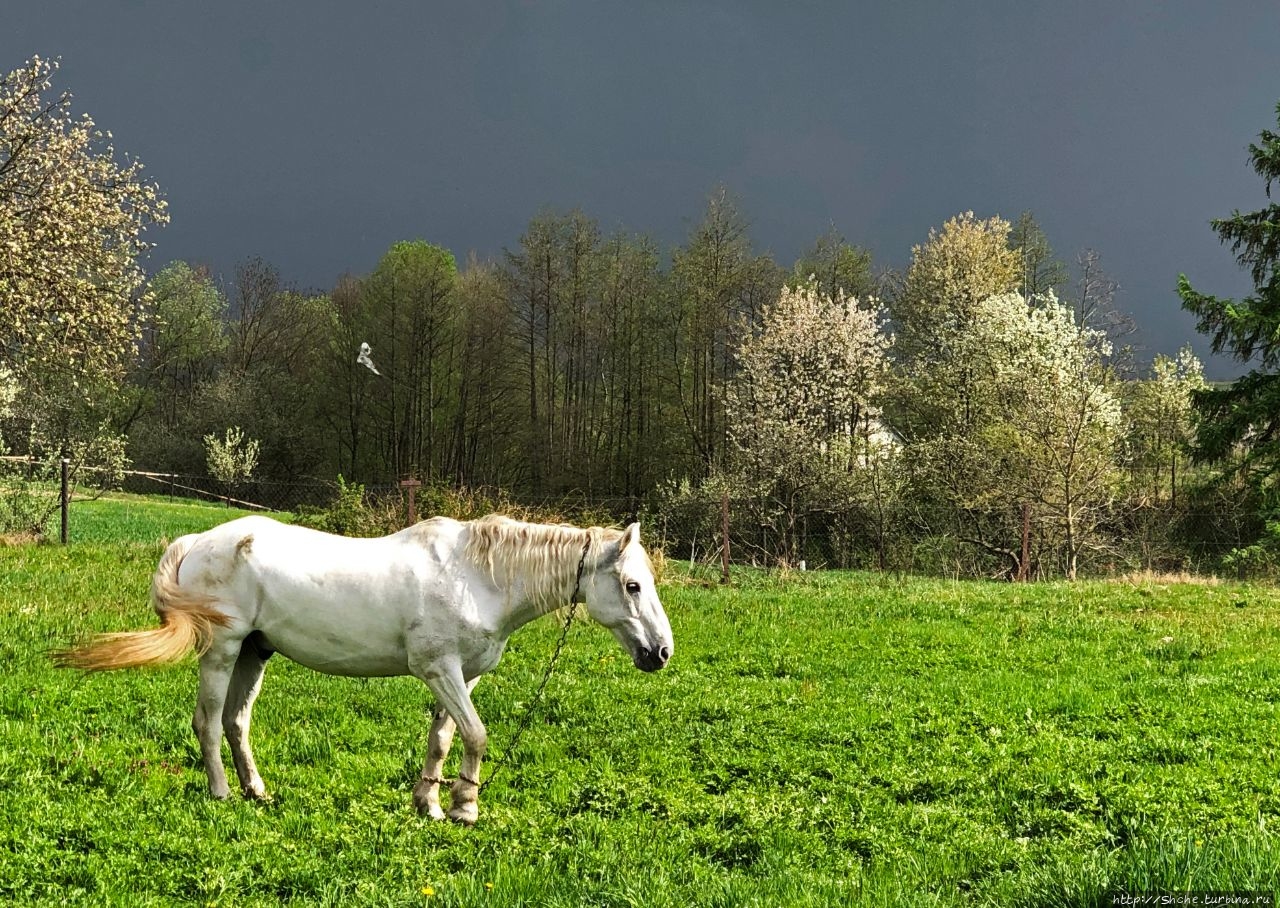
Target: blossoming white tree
{"points": [[802, 414], [71, 225], [1069, 427], [1161, 421], [1021, 415], [233, 458], [960, 265]]}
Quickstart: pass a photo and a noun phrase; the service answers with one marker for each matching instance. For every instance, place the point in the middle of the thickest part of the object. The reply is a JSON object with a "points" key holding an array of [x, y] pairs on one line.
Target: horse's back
{"points": [[334, 603], [258, 547], [215, 557]]}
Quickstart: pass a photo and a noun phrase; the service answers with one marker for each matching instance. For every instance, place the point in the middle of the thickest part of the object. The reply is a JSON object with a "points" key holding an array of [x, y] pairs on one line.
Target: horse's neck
{"points": [[532, 584], [522, 605]]}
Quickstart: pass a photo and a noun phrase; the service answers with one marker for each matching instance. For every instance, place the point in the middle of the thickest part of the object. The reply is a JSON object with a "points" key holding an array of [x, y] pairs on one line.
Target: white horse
{"points": [[437, 600]]}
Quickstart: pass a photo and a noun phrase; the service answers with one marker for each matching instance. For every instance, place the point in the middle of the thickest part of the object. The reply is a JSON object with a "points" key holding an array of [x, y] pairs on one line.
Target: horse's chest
{"points": [[453, 637], [482, 658]]}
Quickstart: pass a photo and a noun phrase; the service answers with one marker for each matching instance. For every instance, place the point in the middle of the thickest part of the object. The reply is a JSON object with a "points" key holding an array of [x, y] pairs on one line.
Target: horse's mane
{"points": [[544, 556]]}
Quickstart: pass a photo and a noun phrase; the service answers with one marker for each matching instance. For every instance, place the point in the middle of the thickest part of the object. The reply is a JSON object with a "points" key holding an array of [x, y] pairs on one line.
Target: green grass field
{"points": [[824, 739]]}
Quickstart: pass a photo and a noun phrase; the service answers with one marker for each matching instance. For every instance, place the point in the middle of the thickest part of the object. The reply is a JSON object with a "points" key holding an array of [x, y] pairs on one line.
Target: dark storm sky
{"points": [[315, 134]]}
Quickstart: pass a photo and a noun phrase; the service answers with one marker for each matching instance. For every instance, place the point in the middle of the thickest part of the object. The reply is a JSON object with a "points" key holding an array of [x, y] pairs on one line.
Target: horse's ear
{"points": [[630, 536]]}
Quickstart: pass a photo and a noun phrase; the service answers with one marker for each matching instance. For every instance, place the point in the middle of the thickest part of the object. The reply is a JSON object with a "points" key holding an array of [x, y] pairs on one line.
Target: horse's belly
{"points": [[336, 644], [351, 661]]}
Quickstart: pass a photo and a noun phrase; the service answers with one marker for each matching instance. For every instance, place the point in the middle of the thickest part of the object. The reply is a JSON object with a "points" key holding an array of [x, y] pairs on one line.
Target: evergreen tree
{"points": [[1244, 417]]}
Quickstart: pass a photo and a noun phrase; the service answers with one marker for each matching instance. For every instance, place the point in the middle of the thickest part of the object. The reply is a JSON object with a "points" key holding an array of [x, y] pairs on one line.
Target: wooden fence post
{"points": [[65, 495], [1024, 560], [724, 533], [412, 486]]}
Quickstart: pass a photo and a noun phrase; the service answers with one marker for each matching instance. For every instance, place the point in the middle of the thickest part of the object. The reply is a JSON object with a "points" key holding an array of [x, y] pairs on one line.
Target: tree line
{"points": [[846, 411], [979, 411], [578, 361]]}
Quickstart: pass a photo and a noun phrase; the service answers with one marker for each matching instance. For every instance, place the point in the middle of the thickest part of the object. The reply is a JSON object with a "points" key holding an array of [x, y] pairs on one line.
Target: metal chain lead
{"points": [[527, 719]]}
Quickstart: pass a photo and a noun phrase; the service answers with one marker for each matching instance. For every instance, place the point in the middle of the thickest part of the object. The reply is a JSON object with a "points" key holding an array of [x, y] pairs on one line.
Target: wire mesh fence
{"points": [[293, 495], [1140, 537], [254, 496]]}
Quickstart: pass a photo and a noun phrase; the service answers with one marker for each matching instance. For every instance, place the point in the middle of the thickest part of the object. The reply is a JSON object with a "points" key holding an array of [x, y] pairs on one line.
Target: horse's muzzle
{"points": [[650, 660]]}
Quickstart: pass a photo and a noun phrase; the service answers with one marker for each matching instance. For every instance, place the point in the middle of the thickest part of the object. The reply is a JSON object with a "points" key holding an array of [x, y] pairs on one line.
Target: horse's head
{"points": [[621, 594]]}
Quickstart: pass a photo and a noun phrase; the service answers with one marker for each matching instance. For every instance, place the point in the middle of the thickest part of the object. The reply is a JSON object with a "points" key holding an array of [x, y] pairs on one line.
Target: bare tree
{"points": [[1095, 307]]}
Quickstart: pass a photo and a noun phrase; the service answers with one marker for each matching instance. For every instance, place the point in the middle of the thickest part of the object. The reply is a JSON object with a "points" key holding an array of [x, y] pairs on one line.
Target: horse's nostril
{"points": [[650, 660]]}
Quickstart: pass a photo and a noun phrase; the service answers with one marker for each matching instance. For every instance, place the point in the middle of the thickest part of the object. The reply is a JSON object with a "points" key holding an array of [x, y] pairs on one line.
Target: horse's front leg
{"points": [[426, 794], [454, 709]]}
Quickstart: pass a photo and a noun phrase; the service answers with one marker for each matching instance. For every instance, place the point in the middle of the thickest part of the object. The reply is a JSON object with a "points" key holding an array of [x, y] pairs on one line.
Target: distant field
{"points": [[824, 739], [124, 518]]}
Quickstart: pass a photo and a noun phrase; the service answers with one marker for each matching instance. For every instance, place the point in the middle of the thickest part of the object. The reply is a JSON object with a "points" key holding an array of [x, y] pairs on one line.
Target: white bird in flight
{"points": [[364, 360]]}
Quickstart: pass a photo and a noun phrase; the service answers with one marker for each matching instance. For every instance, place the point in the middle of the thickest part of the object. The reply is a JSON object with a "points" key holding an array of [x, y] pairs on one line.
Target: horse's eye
{"points": [[632, 587]]}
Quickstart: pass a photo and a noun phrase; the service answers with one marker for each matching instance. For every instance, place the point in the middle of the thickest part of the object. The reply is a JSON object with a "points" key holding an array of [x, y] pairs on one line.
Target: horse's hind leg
{"points": [[246, 681], [216, 667], [426, 795]]}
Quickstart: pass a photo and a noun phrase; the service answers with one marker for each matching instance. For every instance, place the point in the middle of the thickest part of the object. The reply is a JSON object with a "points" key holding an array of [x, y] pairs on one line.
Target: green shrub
{"points": [[357, 512], [1259, 560], [353, 512], [27, 501]]}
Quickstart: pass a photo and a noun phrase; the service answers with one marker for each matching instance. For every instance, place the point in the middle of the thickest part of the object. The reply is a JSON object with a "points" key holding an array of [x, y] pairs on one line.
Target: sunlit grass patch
{"points": [[1147, 578], [818, 739]]}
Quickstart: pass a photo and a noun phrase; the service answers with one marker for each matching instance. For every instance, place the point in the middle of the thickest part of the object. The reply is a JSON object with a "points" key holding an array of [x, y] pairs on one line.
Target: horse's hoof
{"points": [[466, 814], [259, 795], [427, 808], [425, 803]]}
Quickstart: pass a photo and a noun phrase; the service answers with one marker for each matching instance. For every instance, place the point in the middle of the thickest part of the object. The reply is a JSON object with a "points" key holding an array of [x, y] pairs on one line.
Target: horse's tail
{"points": [[187, 621]]}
